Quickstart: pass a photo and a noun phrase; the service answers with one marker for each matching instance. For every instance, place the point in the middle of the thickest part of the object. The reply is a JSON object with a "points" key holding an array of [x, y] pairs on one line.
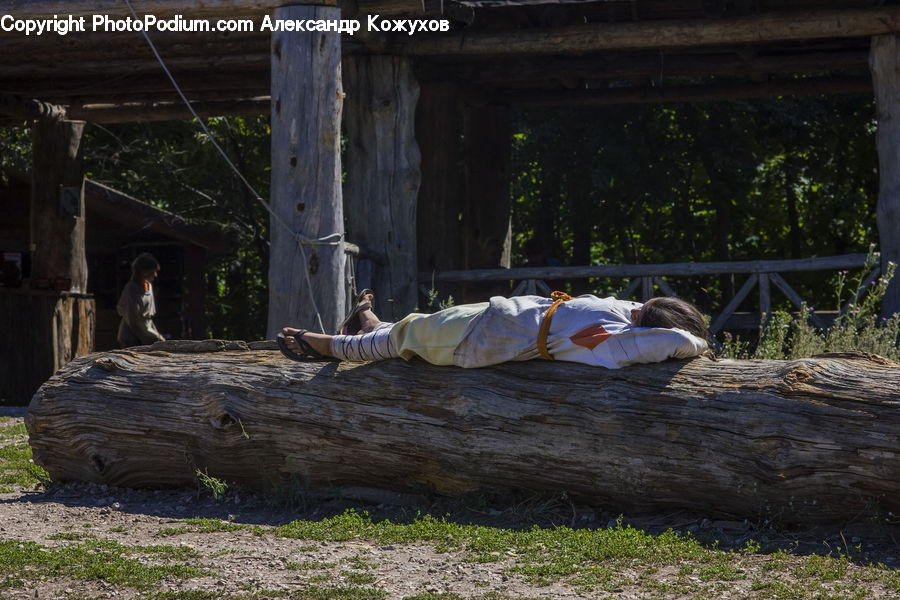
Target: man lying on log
{"points": [[604, 332]]}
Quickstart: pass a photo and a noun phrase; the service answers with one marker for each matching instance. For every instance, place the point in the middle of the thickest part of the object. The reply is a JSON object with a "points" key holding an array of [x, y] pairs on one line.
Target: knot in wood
{"points": [[107, 364]]}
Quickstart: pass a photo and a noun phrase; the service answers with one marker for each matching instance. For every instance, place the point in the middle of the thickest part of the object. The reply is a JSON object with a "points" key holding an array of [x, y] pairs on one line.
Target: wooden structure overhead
{"points": [[515, 52]]}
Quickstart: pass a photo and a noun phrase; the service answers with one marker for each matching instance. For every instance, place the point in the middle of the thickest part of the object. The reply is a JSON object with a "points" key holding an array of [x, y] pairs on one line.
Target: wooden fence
{"points": [[763, 273]]}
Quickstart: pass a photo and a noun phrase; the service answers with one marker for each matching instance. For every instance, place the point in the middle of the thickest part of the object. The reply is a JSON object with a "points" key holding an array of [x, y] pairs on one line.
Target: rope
{"points": [[335, 239], [544, 331]]}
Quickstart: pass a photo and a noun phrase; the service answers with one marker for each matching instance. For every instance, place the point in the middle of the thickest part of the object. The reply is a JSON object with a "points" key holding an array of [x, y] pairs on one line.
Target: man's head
{"points": [[671, 313], [144, 267]]}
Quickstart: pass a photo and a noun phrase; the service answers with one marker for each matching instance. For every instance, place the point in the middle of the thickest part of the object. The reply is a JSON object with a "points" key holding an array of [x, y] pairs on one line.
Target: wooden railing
{"points": [[763, 273]]}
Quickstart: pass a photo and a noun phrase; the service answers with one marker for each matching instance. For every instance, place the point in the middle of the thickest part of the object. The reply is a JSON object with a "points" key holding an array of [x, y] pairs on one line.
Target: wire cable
{"points": [[335, 239]]}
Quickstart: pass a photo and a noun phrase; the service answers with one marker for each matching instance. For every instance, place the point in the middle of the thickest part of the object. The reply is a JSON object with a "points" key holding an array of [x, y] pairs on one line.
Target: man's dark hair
{"points": [[674, 313], [144, 263]]}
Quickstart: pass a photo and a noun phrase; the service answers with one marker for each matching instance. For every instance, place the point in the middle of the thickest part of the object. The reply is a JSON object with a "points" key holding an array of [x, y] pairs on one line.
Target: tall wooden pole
{"points": [[485, 221], [57, 205], [383, 174], [307, 98], [884, 62], [439, 131]]}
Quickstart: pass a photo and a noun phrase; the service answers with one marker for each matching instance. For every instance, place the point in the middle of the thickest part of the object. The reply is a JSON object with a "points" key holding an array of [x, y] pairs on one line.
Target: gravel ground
{"points": [[248, 561]]}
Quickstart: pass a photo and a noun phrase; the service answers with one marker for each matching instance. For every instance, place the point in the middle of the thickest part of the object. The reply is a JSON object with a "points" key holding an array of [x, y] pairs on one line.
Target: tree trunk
{"points": [[809, 440], [884, 62], [306, 177], [382, 182]]}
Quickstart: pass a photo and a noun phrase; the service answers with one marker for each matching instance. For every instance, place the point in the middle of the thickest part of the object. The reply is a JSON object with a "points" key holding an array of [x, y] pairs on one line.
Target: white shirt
{"points": [[586, 329]]}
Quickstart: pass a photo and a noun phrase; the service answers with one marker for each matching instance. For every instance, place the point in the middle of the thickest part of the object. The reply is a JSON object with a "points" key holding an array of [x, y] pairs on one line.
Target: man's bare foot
{"points": [[320, 342], [367, 317]]}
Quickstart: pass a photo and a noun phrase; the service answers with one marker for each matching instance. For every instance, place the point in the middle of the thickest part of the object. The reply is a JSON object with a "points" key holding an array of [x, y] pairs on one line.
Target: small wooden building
{"points": [[46, 322], [426, 114]]}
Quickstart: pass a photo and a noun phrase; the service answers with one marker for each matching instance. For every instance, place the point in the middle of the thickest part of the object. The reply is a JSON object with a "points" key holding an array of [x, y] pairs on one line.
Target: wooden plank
{"points": [[885, 67], [646, 288], [795, 298], [664, 286], [765, 297], [644, 65], [688, 93], [823, 263], [594, 37], [486, 206], [306, 281], [382, 181], [629, 289], [35, 9], [735, 302], [57, 228], [167, 111], [438, 132]]}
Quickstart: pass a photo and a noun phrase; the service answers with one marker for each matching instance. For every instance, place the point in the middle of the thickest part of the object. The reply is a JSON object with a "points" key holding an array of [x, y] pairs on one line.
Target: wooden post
{"points": [[486, 231], [57, 206], [306, 176], [884, 62], [439, 132], [383, 175], [196, 271]]}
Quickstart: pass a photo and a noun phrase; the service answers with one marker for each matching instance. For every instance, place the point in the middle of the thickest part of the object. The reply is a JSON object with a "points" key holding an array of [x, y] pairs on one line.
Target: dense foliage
{"points": [[785, 178], [174, 166], [629, 184]]}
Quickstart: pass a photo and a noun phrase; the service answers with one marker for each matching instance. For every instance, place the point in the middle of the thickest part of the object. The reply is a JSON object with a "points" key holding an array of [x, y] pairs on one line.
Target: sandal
{"points": [[308, 352], [352, 323]]}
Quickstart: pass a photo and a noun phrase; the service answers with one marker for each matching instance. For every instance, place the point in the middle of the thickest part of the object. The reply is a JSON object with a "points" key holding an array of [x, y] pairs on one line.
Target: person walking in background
{"points": [[136, 305]]}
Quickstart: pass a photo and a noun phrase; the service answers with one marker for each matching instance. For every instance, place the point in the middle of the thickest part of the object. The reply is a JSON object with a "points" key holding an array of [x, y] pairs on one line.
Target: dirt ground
{"points": [[246, 562]]}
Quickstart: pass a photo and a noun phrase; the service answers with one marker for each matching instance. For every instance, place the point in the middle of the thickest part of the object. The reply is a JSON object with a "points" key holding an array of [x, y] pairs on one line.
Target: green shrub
{"points": [[858, 328]]}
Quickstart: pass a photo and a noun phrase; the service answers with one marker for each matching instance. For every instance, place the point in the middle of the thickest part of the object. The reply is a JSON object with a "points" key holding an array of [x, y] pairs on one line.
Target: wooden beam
{"points": [[485, 216], [885, 65], [29, 108], [383, 174], [57, 205], [438, 132], [37, 9], [596, 37], [306, 280], [218, 65], [822, 263], [169, 111], [650, 66], [685, 93]]}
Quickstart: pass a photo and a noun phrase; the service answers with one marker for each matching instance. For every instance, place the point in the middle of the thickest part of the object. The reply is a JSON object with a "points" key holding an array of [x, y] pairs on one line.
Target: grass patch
{"points": [[95, 560], [308, 565], [16, 465], [201, 525], [606, 560], [357, 577]]}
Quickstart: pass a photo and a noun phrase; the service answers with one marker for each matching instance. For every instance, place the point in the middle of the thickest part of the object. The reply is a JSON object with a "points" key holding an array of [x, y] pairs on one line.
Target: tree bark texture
{"points": [[884, 62], [810, 440], [58, 234], [382, 184], [306, 176]]}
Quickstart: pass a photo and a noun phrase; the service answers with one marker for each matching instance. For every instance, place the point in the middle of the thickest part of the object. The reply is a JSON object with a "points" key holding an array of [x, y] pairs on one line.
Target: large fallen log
{"points": [[809, 440]]}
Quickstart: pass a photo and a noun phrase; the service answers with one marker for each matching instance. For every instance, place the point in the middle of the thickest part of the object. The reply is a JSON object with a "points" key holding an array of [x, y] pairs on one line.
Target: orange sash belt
{"points": [[544, 330]]}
